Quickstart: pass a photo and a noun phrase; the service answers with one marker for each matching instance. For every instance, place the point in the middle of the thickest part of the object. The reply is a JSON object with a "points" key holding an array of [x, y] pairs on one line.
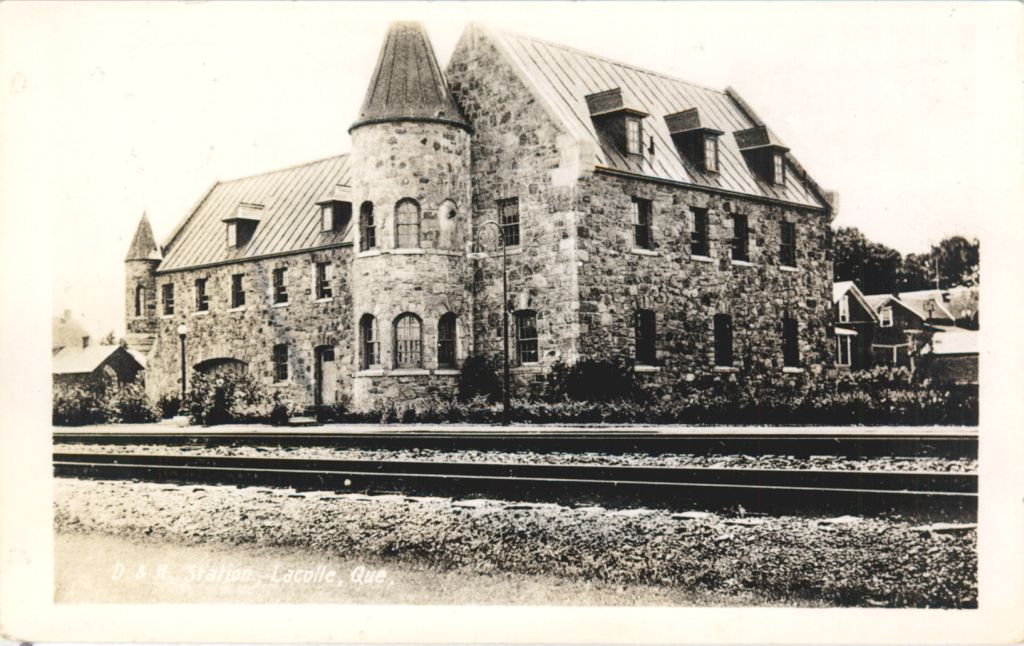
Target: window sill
{"points": [[726, 369], [201, 313], [284, 304], [640, 251], [646, 368], [237, 309], [370, 372], [788, 268], [369, 253], [408, 252], [742, 263], [447, 372], [792, 370], [408, 372], [326, 299], [166, 317], [702, 259], [530, 369]]}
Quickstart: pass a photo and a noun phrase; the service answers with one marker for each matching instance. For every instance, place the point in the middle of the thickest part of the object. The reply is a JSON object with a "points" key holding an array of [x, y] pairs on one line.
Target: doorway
{"points": [[326, 376]]}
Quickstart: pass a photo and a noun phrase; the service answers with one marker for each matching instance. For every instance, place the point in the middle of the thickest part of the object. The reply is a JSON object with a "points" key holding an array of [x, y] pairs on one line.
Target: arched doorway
{"points": [[222, 366]]}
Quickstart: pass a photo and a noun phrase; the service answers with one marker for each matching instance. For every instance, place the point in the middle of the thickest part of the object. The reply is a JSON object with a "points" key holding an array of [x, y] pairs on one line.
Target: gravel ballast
{"points": [[825, 462], [839, 561]]}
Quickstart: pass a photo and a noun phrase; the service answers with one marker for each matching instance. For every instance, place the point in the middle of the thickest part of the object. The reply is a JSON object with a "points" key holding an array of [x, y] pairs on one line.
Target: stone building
{"points": [[646, 220]]}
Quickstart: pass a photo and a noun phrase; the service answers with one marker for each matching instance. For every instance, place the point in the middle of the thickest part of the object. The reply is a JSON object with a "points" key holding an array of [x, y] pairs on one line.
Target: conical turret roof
{"points": [[143, 245], [407, 84]]}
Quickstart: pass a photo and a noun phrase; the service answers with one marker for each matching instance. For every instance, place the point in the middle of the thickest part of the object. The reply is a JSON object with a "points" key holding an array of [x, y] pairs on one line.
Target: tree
{"points": [[873, 266]]}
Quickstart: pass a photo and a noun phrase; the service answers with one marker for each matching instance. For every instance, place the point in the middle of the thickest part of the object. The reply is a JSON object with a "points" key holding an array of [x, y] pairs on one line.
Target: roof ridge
{"points": [[632, 66], [281, 170]]}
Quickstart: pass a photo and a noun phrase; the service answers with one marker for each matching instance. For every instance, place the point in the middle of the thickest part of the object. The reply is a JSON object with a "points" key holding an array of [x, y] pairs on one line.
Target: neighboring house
{"points": [[647, 220], [96, 366], [951, 356], [955, 306], [68, 333], [855, 322], [904, 327]]}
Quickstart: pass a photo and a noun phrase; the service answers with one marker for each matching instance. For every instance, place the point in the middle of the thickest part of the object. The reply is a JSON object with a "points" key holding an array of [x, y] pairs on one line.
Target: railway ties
{"points": [[949, 496]]}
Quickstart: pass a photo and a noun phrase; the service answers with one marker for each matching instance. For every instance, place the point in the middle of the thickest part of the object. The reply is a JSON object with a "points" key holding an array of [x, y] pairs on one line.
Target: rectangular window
{"points": [[232, 234], [202, 298], [711, 154], [167, 291], [787, 244], [790, 343], [723, 340], [446, 341], [281, 362], [371, 346], [526, 337], [645, 337], [334, 215], [508, 218], [740, 237], [633, 136], [843, 350], [779, 169], [885, 317], [324, 276], [699, 234], [280, 286], [642, 238], [844, 309], [326, 217], [237, 291], [368, 237]]}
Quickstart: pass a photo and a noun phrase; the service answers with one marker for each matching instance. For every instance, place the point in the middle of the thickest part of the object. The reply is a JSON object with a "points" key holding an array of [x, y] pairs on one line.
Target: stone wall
{"points": [[249, 334], [519, 151], [685, 293], [139, 330]]}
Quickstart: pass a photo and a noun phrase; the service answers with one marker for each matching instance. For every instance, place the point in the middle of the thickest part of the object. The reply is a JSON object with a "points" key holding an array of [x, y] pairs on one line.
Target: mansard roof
{"points": [[143, 246], [562, 77], [289, 218], [407, 83]]}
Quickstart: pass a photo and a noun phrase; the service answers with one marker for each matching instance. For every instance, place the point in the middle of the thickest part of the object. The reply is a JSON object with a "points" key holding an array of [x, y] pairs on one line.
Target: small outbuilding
{"points": [[951, 357], [96, 366]]}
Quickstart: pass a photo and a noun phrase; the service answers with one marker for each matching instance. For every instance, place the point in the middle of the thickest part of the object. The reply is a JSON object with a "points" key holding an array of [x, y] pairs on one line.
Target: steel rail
{"points": [[767, 490]]}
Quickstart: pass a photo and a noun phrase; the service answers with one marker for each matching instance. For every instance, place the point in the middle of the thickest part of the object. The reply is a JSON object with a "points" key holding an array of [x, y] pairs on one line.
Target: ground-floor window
{"points": [[526, 336], [723, 340], [842, 351], [369, 341], [280, 362], [790, 343], [408, 341], [446, 340], [645, 335]]}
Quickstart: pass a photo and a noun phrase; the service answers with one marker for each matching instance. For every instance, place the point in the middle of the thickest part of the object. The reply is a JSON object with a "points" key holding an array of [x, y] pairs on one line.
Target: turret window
{"points": [[446, 341], [407, 224], [140, 300], [367, 228], [408, 341], [369, 342]]}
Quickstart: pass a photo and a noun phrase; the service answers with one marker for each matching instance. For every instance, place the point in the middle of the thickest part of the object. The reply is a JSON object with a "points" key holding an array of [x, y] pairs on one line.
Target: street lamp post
{"points": [[505, 396], [182, 333]]}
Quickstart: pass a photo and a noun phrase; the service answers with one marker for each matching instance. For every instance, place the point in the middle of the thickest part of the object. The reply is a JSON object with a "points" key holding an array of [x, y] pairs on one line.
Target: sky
{"points": [[110, 110]]}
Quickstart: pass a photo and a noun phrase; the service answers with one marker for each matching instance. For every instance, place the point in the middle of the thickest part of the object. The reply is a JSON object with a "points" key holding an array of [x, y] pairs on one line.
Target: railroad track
{"points": [[918, 494], [795, 442]]}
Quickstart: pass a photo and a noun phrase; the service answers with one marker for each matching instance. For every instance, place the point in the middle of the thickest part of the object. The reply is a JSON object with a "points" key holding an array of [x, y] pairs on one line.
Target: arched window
{"points": [[369, 342], [140, 299], [408, 341], [526, 336], [446, 341], [407, 224], [367, 228], [645, 334]]}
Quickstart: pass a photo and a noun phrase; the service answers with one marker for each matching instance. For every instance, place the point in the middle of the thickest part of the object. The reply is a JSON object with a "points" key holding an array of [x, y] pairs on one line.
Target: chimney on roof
{"points": [[85, 342]]}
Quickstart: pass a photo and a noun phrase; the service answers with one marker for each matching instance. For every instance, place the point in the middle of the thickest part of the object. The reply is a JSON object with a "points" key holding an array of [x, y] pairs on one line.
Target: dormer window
{"points": [[241, 225], [764, 153], [334, 215], [618, 121], [694, 138]]}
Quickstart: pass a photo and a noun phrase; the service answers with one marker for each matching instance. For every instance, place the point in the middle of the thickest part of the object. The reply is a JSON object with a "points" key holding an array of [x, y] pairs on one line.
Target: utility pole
{"points": [[936, 265]]}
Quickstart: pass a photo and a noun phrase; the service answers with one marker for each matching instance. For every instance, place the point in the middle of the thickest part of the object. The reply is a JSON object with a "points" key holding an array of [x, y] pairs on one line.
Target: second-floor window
{"points": [[711, 154], [699, 234], [367, 228], [844, 309], [140, 299], [633, 135], [237, 291], [167, 291], [885, 317], [202, 298], [642, 238], [526, 337], [407, 224], [740, 238], [779, 169], [508, 218], [324, 276], [787, 244], [232, 234], [280, 285]]}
